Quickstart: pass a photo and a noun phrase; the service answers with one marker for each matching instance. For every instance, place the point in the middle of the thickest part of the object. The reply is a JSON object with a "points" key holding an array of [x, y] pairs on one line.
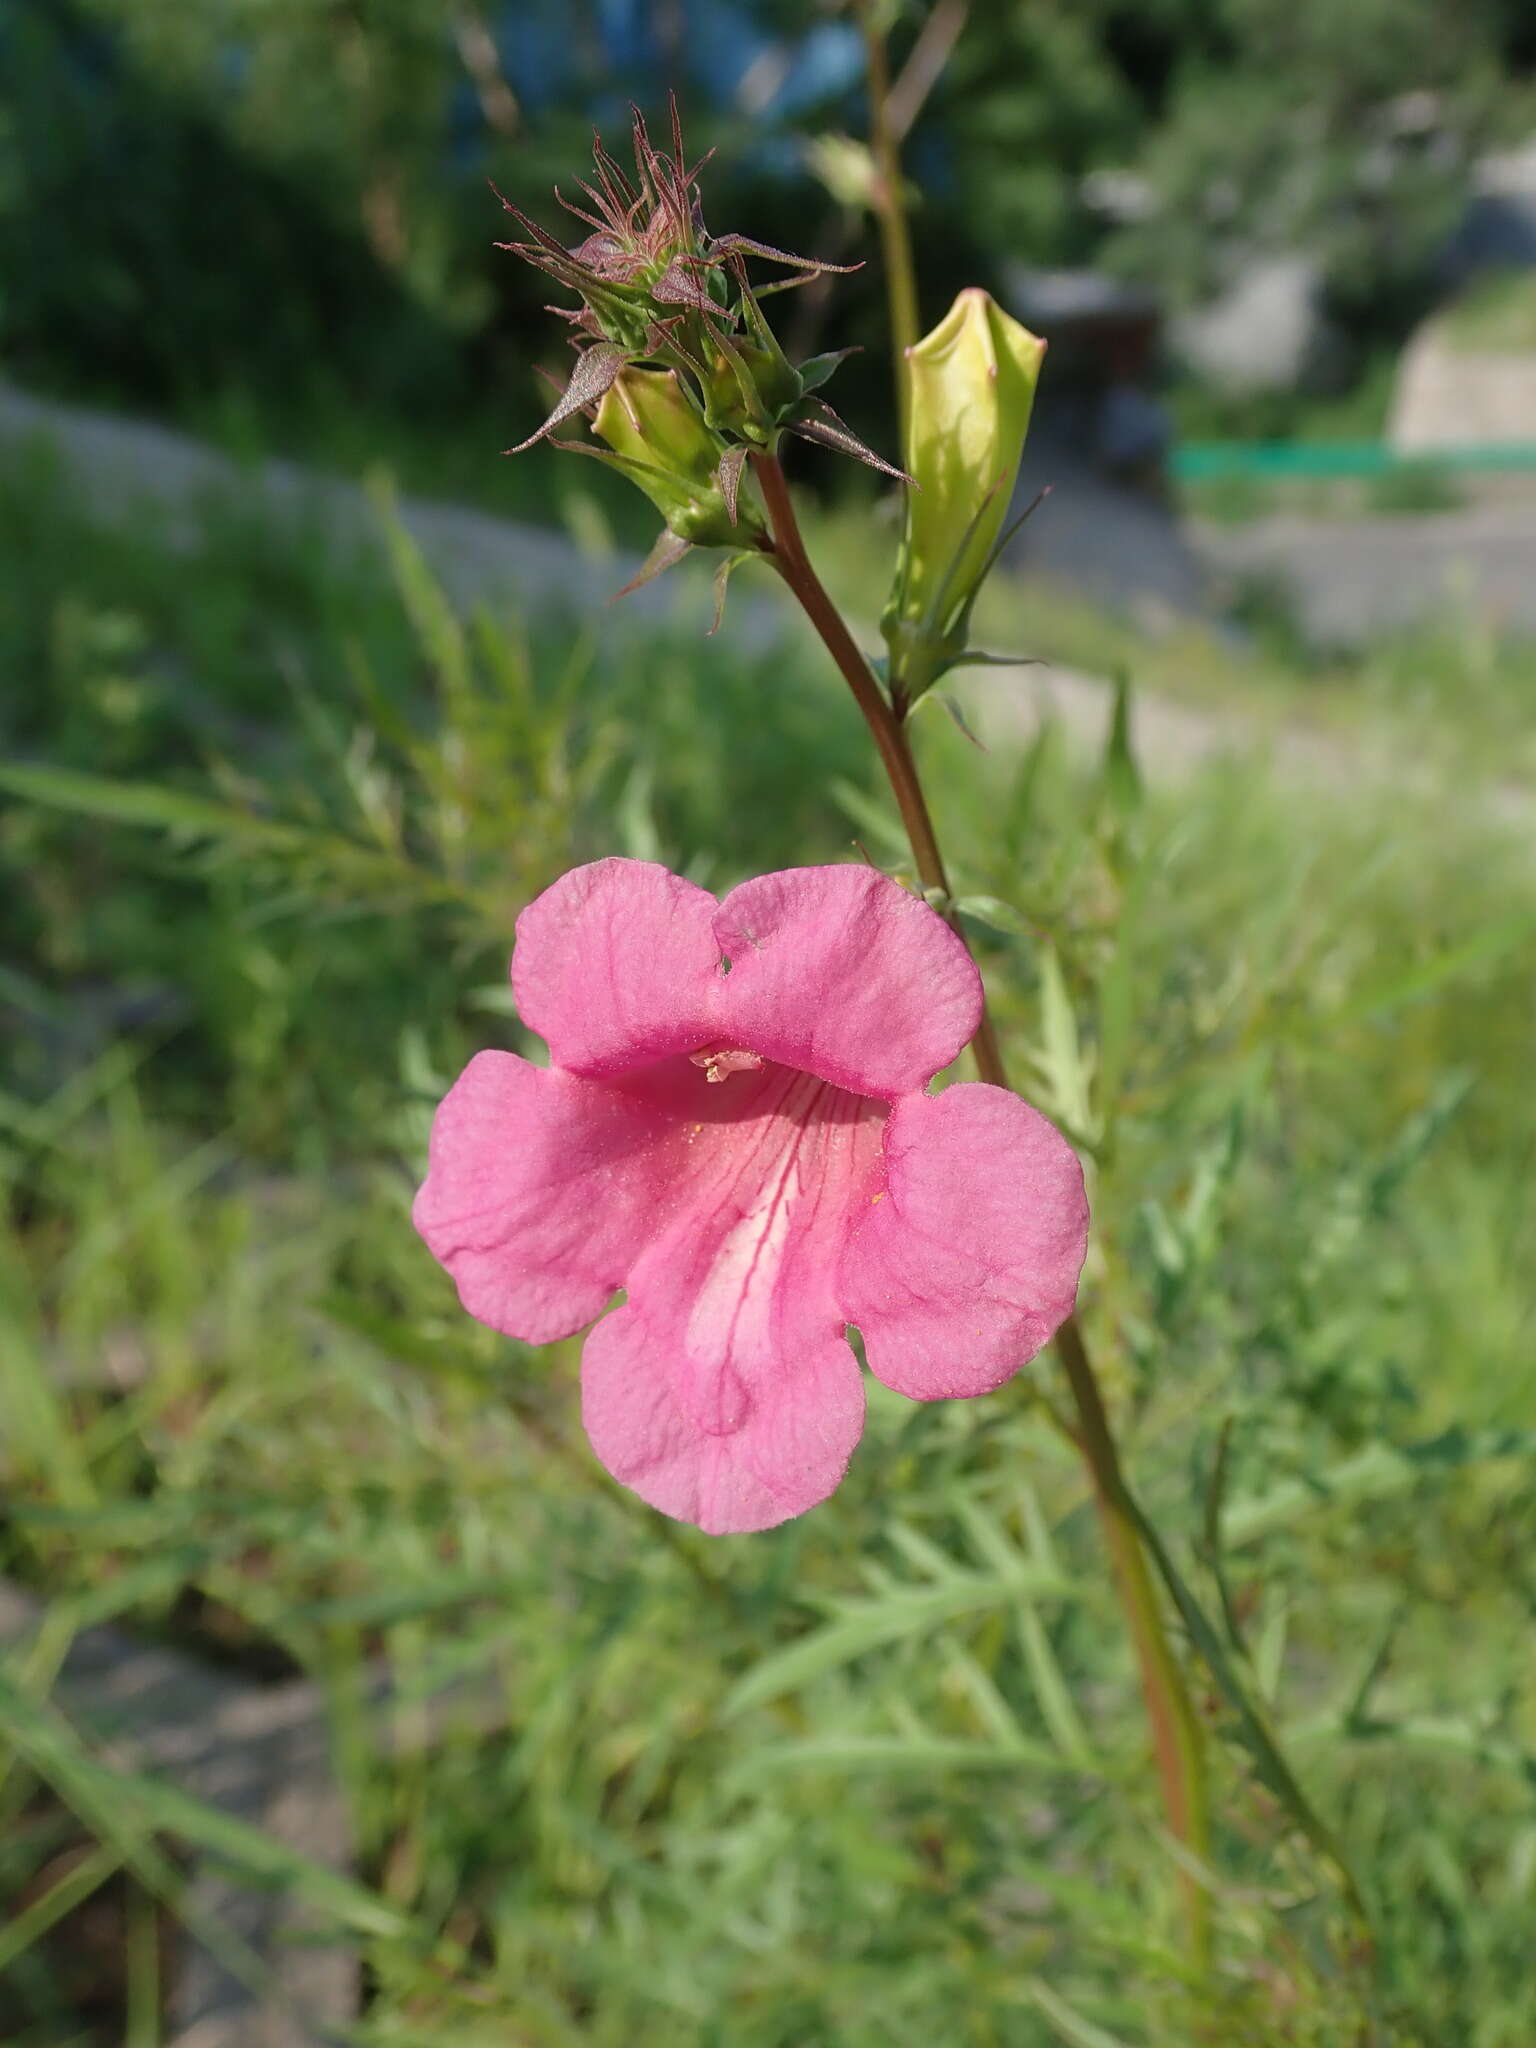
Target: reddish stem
{"points": [[1176, 1734]]}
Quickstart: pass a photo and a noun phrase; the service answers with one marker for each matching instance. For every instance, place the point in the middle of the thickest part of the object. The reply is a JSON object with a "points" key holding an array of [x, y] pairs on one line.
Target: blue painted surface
{"points": [[598, 58]]}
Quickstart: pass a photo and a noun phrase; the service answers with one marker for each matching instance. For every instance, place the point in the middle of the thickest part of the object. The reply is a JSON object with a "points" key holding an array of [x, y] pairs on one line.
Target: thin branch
{"points": [[889, 201], [925, 65]]}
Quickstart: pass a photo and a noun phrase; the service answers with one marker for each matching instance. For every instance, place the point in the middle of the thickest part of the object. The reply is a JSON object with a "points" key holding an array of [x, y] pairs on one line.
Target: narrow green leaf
{"points": [[142, 803], [1123, 787], [1116, 995], [848, 1753], [1268, 1760], [1453, 1735], [201, 818], [56, 1753], [61, 1898], [873, 1624], [993, 1713], [1057, 1706], [1069, 2024], [405, 1603], [871, 816], [1061, 1055], [1052, 1694], [1377, 1472], [1000, 916], [1396, 991]]}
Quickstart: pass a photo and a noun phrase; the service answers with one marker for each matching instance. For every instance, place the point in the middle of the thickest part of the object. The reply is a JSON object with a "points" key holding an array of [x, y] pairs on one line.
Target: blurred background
{"points": [[342, 1696]]}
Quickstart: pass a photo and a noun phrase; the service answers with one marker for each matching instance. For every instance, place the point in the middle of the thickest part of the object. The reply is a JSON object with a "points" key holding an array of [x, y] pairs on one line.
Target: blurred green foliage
{"points": [[1497, 314], [1343, 131], [147, 255], [877, 1776], [292, 203]]}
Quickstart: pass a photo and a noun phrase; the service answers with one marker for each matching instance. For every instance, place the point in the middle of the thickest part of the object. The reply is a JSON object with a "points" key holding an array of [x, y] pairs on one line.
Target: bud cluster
{"points": [[682, 381], [677, 369]]}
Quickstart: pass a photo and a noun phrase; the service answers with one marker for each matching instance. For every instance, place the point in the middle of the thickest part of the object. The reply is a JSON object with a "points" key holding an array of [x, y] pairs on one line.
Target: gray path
{"points": [[123, 465], [1347, 579]]}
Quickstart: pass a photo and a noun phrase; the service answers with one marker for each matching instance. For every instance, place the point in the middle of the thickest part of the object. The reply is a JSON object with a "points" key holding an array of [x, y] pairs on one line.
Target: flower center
{"points": [[722, 1062]]}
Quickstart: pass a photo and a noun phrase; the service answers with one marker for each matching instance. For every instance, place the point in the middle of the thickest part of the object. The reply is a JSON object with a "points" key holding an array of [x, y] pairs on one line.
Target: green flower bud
{"points": [[645, 415], [750, 390], [657, 288], [661, 444], [970, 390]]}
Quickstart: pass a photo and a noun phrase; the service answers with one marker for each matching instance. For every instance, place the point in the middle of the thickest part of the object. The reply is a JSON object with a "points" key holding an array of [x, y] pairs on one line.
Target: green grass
{"points": [[1409, 490], [1203, 412], [1496, 314], [878, 1776]]}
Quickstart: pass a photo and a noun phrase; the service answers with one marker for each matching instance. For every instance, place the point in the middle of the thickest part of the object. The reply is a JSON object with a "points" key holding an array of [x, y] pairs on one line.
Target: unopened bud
{"points": [[750, 390], [664, 446], [970, 390]]}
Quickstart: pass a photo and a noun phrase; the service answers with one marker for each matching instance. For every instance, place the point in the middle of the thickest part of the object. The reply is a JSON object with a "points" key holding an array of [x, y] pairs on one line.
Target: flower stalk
{"points": [[889, 203], [889, 733], [1177, 1738]]}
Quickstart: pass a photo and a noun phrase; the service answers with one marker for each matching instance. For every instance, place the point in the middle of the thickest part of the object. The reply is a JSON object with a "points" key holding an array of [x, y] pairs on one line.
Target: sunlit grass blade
{"points": [[57, 1902], [873, 1624]]}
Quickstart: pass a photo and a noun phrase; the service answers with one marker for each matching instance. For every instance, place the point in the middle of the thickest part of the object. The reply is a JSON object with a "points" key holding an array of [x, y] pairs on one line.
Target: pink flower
{"points": [[735, 1129]]}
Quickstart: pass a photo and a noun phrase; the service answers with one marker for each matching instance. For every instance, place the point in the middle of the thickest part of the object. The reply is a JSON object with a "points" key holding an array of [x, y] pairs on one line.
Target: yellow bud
{"points": [[645, 415], [661, 444], [970, 389]]}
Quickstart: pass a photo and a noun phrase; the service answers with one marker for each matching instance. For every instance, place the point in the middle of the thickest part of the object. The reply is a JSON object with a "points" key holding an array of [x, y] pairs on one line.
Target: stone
{"points": [[1266, 332], [1451, 397]]}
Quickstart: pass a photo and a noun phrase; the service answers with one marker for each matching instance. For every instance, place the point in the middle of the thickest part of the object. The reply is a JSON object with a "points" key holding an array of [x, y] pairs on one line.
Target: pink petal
{"points": [[966, 1262], [789, 1453], [543, 1187], [839, 971], [724, 1392], [616, 964]]}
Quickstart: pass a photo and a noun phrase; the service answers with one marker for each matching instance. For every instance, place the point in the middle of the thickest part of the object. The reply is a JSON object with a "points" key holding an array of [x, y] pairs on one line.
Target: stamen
{"points": [[721, 1064]]}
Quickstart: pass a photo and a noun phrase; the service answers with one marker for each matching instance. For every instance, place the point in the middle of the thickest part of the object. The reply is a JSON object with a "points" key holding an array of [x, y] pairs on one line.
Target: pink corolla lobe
{"points": [[734, 1128]]}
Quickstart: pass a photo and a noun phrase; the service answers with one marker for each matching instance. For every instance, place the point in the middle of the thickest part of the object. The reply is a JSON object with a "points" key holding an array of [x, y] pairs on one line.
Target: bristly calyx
{"points": [[657, 288]]}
